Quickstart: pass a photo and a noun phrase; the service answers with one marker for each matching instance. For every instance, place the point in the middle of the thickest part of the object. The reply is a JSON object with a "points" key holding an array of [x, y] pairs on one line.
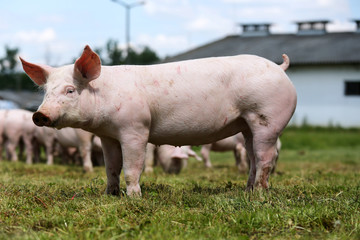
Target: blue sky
{"points": [[55, 32]]}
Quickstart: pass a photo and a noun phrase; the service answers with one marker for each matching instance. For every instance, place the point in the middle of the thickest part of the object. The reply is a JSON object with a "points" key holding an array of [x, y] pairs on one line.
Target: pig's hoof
{"points": [[134, 195], [249, 188], [113, 191], [88, 169], [134, 191], [149, 170], [208, 165]]}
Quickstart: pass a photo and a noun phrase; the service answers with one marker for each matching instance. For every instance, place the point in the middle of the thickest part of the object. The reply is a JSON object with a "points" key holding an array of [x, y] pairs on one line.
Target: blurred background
{"points": [[321, 37]]}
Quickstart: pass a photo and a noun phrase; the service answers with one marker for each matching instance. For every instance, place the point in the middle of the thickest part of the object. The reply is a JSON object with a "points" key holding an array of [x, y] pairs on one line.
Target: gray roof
{"points": [[328, 48], [24, 99]]}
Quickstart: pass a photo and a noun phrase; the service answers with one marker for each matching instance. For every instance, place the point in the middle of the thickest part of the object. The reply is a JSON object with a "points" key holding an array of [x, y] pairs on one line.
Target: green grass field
{"points": [[314, 195]]}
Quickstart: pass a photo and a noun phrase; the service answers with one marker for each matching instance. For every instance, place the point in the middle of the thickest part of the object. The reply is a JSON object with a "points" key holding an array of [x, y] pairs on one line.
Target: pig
{"points": [[97, 156], [188, 153], [149, 158], [236, 144], [68, 139], [172, 159], [45, 137], [80, 139], [2, 125], [17, 126], [191, 102]]}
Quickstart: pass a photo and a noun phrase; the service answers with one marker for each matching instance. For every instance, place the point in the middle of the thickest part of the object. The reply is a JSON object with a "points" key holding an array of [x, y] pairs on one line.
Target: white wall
{"points": [[321, 95]]}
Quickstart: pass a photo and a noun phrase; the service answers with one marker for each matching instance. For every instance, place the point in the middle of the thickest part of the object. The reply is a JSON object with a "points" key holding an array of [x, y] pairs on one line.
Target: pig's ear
{"points": [[37, 73], [88, 66]]}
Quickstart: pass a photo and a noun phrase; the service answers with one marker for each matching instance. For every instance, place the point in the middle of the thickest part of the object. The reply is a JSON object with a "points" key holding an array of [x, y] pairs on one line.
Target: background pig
{"points": [[79, 139], [97, 156], [2, 125], [172, 159], [149, 158], [236, 144], [17, 125], [129, 106], [45, 137]]}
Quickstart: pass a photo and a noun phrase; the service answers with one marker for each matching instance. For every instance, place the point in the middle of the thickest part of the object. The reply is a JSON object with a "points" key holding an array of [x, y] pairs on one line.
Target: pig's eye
{"points": [[69, 90]]}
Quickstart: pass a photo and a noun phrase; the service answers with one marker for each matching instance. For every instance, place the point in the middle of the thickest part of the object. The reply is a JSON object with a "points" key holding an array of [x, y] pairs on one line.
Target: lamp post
{"points": [[128, 7]]}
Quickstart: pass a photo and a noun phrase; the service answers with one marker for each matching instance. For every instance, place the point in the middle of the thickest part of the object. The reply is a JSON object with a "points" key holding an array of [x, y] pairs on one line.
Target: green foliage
{"points": [[9, 61], [9, 79], [114, 54], [146, 56], [118, 56], [314, 195], [308, 137], [17, 81]]}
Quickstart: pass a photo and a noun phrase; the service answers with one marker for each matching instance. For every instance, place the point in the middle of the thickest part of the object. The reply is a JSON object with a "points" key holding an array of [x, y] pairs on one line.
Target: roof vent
{"points": [[312, 27], [357, 26], [254, 30]]}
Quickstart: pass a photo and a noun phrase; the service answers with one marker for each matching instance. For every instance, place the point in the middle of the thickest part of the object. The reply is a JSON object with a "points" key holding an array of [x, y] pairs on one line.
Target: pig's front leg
{"points": [[133, 144], [113, 164]]}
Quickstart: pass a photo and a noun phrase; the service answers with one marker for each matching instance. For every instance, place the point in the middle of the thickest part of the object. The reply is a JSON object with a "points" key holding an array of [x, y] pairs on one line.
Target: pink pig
{"points": [[234, 143], [80, 139], [17, 125], [172, 159], [183, 103]]}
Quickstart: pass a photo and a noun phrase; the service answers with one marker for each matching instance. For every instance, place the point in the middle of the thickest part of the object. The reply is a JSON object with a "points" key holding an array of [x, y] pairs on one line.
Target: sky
{"points": [[55, 32]]}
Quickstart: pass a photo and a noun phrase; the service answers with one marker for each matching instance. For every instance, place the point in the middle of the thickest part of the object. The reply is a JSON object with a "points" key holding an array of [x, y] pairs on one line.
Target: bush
{"points": [[16, 81]]}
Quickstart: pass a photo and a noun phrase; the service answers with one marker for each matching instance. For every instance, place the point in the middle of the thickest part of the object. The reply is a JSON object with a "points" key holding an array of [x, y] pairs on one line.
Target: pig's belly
{"points": [[190, 133]]}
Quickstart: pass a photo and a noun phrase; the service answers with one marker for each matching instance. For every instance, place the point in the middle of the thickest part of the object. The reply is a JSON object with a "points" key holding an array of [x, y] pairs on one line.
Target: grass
{"points": [[316, 194]]}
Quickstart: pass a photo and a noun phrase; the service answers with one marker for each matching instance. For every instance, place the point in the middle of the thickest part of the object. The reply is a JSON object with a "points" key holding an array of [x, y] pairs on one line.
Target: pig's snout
{"points": [[41, 119]]}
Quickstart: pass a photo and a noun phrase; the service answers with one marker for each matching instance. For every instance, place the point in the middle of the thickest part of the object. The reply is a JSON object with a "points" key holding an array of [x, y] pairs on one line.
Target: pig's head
{"points": [[62, 105], [177, 158]]}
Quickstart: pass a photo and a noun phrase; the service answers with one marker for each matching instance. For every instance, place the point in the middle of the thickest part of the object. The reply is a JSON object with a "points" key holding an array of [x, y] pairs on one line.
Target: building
{"points": [[20, 99], [325, 67]]}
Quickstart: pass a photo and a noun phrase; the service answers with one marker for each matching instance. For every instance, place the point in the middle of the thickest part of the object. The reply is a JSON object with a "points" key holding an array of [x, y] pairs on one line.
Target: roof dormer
{"points": [[253, 30], [312, 27], [357, 22]]}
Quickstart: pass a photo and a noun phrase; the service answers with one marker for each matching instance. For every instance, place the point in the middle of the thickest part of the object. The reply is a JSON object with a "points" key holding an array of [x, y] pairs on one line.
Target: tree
{"points": [[9, 77], [9, 62], [146, 56], [117, 56]]}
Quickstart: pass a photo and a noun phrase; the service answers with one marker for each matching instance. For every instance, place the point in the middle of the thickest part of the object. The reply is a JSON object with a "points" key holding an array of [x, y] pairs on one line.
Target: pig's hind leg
{"points": [[265, 155], [249, 142], [113, 164], [261, 148]]}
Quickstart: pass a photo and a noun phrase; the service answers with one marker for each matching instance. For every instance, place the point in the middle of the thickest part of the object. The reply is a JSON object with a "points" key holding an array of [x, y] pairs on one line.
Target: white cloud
{"points": [[178, 8], [43, 36], [216, 24], [164, 44], [341, 26]]}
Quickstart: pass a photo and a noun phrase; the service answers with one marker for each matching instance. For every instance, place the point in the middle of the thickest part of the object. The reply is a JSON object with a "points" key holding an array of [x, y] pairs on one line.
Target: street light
{"points": [[128, 7]]}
